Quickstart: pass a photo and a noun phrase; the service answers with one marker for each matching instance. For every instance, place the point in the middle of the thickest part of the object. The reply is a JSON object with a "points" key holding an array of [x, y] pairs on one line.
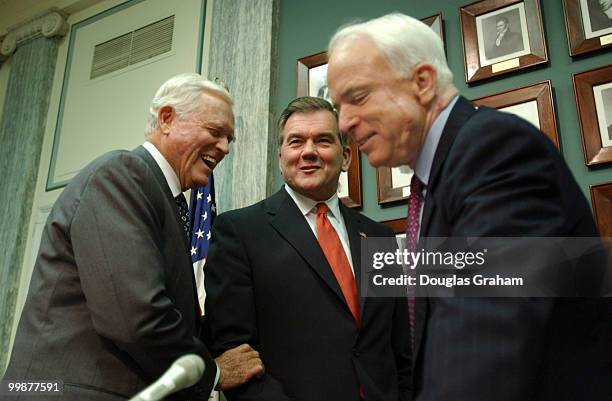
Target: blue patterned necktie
{"points": [[181, 202]]}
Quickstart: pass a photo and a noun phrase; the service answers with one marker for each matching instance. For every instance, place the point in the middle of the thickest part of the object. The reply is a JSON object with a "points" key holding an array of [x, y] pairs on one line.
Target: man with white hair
{"points": [[477, 173], [112, 300]]}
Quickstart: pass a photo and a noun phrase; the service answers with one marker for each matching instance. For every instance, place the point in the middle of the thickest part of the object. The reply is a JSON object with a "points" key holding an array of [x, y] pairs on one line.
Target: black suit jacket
{"points": [[268, 284], [495, 175], [112, 298]]}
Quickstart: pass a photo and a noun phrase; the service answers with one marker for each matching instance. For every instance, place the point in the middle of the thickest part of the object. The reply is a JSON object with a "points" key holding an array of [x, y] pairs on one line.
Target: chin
{"points": [[200, 183]]}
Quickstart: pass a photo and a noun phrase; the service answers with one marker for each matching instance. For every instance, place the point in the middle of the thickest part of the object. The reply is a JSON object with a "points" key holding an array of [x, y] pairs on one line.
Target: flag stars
{"points": [[200, 233], [205, 216], [209, 198], [194, 250], [199, 195], [208, 235]]}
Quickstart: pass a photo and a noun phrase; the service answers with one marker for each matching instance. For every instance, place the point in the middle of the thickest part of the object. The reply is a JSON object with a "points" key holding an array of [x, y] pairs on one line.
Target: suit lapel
{"points": [[161, 179], [352, 221], [461, 112], [287, 219]]}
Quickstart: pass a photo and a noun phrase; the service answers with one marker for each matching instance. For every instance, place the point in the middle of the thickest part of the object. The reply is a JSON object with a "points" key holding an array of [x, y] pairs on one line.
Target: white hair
{"points": [[183, 93], [404, 42]]}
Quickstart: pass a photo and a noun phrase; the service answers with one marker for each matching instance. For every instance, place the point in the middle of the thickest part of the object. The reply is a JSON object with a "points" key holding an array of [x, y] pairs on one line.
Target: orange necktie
{"points": [[336, 256]]}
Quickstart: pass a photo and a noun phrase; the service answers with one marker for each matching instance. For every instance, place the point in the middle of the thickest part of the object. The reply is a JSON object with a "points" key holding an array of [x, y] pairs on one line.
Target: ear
{"points": [[346, 158], [165, 115], [426, 80]]}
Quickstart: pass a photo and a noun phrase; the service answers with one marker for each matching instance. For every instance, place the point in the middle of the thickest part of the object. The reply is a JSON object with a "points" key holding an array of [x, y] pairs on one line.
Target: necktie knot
{"points": [[416, 185], [321, 208]]}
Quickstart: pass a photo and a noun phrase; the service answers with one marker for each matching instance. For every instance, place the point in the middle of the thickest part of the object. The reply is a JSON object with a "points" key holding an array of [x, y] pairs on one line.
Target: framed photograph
{"points": [[601, 199], [436, 23], [398, 226], [500, 36], [593, 90], [393, 184], [588, 24], [312, 81], [533, 103]]}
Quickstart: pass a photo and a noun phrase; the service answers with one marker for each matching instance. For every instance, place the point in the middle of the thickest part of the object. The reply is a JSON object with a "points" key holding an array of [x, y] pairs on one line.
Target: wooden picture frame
{"points": [[306, 68], [593, 89], [522, 102], [588, 28], [393, 184], [489, 53], [601, 200], [436, 23], [398, 226]]}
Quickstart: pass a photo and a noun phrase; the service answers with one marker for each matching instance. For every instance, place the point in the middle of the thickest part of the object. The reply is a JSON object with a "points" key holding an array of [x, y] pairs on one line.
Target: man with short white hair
{"points": [[477, 173], [112, 300]]}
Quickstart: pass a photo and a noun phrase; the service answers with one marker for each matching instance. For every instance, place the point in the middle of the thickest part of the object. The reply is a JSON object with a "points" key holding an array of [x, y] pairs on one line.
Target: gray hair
{"points": [[183, 93], [306, 104], [404, 42]]}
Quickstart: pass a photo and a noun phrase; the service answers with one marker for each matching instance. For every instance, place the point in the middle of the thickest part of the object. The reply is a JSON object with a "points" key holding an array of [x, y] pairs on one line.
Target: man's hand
{"points": [[237, 366]]}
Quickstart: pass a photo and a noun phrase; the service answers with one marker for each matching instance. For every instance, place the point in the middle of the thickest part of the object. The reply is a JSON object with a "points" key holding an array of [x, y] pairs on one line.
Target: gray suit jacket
{"points": [[112, 299]]}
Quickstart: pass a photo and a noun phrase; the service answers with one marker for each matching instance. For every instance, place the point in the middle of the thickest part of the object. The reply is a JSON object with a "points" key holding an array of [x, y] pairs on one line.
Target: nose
{"points": [[309, 149], [223, 145], [347, 121]]}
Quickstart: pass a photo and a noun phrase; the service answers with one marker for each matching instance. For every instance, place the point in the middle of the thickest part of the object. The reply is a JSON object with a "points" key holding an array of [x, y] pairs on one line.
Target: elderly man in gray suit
{"points": [[112, 300]]}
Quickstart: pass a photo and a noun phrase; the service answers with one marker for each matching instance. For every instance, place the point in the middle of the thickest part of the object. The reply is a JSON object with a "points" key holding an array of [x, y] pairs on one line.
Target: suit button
{"points": [[356, 353]]}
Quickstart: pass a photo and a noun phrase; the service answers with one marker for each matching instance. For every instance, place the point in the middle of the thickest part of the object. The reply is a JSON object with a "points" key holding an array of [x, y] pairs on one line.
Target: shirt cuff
{"points": [[217, 375]]}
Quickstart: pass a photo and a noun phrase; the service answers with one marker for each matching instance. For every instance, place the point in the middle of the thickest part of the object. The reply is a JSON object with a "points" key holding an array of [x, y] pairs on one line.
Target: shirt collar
{"points": [[306, 205], [422, 169], [166, 168]]}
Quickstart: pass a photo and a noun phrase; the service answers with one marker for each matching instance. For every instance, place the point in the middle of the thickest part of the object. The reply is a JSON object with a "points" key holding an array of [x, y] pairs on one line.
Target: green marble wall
{"points": [[242, 48], [21, 135]]}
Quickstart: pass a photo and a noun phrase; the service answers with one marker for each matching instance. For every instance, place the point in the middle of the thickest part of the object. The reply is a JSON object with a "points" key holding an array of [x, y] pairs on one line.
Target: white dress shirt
{"points": [[308, 208]]}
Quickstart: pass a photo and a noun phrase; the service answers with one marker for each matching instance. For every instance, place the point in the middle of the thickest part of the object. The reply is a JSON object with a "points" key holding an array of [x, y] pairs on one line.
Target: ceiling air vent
{"points": [[132, 48]]}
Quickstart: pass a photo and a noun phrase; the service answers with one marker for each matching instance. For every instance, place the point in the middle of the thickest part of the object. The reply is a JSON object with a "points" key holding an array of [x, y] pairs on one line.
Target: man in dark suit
{"points": [[112, 300], [283, 275], [477, 173], [506, 41]]}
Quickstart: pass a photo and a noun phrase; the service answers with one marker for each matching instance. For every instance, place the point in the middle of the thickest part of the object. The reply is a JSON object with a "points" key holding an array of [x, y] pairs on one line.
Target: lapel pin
{"points": [[362, 234]]}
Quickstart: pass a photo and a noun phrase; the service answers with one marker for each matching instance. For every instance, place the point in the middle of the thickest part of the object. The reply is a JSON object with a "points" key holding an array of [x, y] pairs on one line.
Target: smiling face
{"points": [[384, 113], [195, 143], [501, 25], [311, 155]]}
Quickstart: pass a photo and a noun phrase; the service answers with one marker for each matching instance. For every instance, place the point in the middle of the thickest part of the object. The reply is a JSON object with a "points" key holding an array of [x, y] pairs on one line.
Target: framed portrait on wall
{"points": [[593, 90], [500, 36], [588, 24], [312, 81], [533, 103], [398, 226], [436, 23], [393, 184], [601, 200]]}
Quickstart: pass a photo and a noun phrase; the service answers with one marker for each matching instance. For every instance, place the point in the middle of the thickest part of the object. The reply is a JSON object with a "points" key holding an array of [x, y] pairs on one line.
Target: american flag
{"points": [[202, 212]]}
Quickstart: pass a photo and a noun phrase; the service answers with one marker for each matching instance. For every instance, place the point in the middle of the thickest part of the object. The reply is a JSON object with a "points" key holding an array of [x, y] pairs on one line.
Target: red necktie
{"points": [[336, 256], [415, 201]]}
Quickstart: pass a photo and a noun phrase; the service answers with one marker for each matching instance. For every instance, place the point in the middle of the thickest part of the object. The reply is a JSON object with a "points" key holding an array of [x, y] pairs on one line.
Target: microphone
{"points": [[184, 372]]}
